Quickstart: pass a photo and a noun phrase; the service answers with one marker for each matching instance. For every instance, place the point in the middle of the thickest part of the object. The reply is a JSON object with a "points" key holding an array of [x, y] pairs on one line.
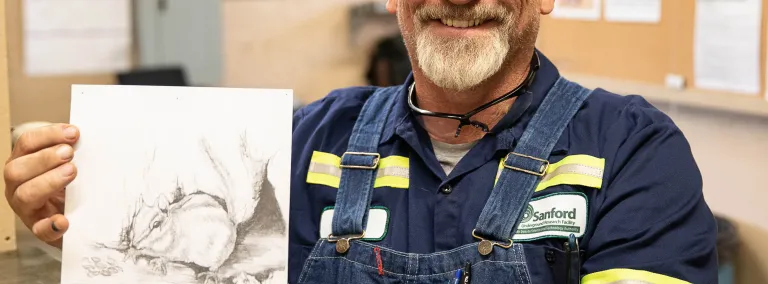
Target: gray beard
{"points": [[460, 64]]}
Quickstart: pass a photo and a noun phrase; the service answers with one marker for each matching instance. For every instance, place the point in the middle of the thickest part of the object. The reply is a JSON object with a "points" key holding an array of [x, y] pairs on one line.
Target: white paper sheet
{"points": [[577, 9], [163, 163], [66, 37], [636, 11], [727, 45]]}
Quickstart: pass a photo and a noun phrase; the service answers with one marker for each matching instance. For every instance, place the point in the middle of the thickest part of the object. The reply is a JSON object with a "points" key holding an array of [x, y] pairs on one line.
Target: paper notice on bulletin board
{"points": [[577, 9], [68, 37], [727, 45], [636, 11]]}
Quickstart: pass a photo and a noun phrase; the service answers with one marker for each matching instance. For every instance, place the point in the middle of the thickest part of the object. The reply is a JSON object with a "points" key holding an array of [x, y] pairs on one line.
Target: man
{"points": [[542, 181]]}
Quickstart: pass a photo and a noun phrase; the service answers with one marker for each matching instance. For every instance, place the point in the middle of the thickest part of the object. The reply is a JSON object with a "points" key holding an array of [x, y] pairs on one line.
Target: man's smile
{"points": [[460, 27], [457, 23]]}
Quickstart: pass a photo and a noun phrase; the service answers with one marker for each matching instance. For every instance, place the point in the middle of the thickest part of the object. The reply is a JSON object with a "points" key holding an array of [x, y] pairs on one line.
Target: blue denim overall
{"points": [[344, 258]]}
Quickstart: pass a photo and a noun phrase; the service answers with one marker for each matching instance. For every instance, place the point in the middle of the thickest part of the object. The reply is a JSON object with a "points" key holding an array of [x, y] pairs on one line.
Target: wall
{"points": [[300, 45], [7, 228], [38, 98], [303, 45]]}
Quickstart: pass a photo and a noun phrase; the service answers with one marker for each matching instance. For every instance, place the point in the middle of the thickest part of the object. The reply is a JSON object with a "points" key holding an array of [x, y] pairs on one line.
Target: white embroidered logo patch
{"points": [[553, 216], [375, 230]]}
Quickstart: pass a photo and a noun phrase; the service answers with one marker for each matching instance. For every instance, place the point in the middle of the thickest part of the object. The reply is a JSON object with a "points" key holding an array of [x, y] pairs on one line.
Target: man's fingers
{"points": [[44, 137], [27, 167], [51, 229], [33, 194]]}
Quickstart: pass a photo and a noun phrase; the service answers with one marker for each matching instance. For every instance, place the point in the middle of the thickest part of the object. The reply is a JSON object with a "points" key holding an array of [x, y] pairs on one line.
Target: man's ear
{"points": [[547, 6], [392, 6]]}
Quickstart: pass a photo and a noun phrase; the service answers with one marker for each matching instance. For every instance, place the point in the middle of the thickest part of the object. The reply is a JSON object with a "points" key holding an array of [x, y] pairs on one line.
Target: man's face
{"points": [[458, 44]]}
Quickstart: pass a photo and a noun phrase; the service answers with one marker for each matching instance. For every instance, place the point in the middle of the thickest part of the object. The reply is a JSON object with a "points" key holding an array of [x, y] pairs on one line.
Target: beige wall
{"points": [[301, 45], [38, 98]]}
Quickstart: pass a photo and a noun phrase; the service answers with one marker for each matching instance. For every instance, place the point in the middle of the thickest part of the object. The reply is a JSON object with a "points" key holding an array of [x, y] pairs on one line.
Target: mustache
{"points": [[480, 11]]}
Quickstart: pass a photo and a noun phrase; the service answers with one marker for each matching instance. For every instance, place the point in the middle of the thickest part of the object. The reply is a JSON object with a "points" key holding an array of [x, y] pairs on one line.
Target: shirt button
{"points": [[550, 256], [447, 189]]}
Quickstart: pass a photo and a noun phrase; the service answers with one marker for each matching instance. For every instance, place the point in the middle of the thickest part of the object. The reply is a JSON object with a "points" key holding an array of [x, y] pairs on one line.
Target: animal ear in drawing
{"points": [[177, 193], [162, 203]]}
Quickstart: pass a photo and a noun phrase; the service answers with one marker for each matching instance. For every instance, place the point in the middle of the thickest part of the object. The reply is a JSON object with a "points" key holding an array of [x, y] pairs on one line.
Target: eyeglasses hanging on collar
{"points": [[464, 120]]}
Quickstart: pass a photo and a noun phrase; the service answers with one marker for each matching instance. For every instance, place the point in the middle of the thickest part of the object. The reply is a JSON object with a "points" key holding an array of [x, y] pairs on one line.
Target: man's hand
{"points": [[35, 177]]}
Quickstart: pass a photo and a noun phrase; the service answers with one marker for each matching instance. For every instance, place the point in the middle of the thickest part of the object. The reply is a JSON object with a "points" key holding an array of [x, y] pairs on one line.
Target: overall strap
{"points": [[524, 167], [360, 163]]}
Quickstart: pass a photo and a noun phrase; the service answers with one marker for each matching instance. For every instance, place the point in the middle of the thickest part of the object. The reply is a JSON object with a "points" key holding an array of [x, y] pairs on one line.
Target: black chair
{"points": [[160, 76]]}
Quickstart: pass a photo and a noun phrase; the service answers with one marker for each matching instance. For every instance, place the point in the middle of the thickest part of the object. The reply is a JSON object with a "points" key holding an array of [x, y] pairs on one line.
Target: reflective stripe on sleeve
{"points": [[324, 169], [572, 170], [629, 276]]}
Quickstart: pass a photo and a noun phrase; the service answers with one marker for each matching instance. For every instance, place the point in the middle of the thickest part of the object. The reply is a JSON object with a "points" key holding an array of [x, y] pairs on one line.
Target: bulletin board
{"points": [[39, 98], [638, 52]]}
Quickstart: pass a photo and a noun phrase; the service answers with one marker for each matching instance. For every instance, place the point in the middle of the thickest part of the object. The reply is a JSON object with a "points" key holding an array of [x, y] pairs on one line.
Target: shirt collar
{"points": [[513, 122]]}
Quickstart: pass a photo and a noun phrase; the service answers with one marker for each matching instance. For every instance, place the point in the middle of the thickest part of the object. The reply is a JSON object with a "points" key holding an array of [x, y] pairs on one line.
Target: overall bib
{"points": [[494, 258]]}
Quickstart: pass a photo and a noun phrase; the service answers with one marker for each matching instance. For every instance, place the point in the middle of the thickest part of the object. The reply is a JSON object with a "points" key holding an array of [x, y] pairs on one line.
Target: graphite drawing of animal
{"points": [[228, 231]]}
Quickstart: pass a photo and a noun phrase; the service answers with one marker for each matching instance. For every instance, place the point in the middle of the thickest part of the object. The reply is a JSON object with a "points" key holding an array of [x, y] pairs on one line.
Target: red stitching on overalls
{"points": [[378, 260]]}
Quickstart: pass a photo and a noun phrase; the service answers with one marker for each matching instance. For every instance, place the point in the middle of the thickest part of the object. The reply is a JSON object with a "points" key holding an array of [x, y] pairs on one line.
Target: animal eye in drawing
{"points": [[155, 224]]}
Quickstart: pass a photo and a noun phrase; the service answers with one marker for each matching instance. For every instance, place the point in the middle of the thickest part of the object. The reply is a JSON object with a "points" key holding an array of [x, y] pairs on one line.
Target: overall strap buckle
{"points": [[514, 161], [360, 160], [486, 246], [342, 243]]}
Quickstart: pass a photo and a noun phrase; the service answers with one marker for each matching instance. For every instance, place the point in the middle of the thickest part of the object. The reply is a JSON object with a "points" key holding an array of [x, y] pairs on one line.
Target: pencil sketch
{"points": [[228, 231], [95, 266]]}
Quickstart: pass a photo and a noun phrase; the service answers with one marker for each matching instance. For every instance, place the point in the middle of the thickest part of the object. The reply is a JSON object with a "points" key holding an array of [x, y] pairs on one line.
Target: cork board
{"points": [[630, 51], [39, 98], [7, 219]]}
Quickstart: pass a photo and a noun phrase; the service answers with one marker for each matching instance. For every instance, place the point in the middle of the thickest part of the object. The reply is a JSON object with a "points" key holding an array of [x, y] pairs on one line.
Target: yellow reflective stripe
{"points": [[570, 179], [574, 169], [326, 158], [329, 170], [333, 160], [627, 276], [394, 161], [324, 169], [332, 181], [582, 170], [391, 181], [323, 179], [584, 160], [498, 173]]}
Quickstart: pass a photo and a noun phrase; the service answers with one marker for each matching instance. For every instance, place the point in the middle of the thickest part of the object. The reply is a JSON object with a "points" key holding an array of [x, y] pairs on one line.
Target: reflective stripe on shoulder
{"points": [[629, 276], [582, 170], [324, 170]]}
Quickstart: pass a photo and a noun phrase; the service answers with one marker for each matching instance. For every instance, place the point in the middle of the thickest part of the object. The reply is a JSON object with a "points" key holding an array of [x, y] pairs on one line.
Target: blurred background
{"points": [[701, 61]]}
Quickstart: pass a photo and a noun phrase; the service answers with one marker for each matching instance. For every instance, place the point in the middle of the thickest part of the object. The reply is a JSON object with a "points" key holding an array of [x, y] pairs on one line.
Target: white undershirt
{"points": [[450, 154]]}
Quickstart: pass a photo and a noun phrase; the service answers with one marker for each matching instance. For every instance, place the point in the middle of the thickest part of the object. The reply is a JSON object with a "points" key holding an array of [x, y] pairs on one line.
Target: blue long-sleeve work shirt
{"points": [[641, 216]]}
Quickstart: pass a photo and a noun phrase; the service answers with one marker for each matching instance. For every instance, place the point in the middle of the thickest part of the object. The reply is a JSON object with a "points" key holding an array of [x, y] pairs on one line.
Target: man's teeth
{"points": [[461, 23]]}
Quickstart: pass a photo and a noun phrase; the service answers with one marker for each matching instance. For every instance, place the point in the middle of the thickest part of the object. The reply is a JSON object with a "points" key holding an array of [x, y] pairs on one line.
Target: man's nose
{"points": [[461, 2]]}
